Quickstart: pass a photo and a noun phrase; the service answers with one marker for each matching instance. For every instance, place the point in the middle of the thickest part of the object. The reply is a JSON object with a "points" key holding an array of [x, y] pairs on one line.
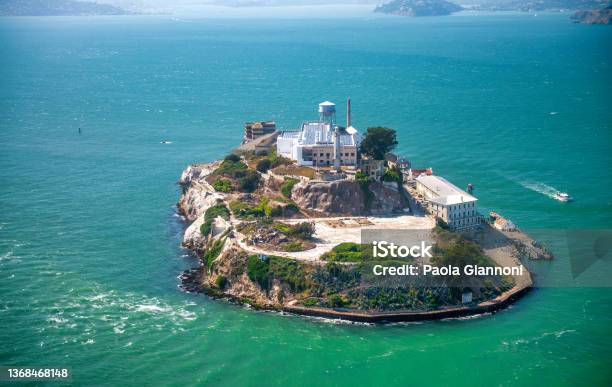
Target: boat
{"points": [[562, 197]]}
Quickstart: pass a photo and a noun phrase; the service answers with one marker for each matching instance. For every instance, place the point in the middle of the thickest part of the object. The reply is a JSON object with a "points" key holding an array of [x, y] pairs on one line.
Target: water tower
{"points": [[327, 113]]}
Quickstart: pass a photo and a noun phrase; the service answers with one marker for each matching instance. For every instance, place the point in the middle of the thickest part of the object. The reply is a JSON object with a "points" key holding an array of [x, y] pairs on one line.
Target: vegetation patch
{"points": [[258, 269], [287, 186], [213, 252], [264, 269], [210, 215], [223, 185], [277, 236], [295, 170], [392, 175], [234, 169], [221, 282], [348, 252], [364, 183], [263, 165], [245, 210]]}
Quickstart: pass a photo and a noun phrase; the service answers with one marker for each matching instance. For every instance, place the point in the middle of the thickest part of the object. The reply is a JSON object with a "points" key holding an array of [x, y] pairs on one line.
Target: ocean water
{"points": [[89, 239]]}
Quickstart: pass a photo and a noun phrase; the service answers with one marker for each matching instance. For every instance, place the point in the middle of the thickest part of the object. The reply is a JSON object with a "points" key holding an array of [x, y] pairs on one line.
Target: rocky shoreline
{"points": [[191, 282], [233, 268]]}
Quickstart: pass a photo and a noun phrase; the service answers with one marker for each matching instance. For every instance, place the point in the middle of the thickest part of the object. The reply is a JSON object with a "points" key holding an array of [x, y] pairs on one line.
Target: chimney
{"points": [[348, 112]]}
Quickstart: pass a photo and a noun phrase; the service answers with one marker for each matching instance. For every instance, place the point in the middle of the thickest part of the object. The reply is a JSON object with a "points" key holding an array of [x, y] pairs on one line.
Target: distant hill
{"points": [[598, 16], [57, 8], [539, 5], [419, 8]]}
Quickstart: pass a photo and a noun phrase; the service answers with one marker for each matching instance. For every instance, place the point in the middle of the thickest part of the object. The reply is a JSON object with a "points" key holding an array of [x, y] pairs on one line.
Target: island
{"points": [[57, 8], [598, 16], [293, 221], [419, 8]]}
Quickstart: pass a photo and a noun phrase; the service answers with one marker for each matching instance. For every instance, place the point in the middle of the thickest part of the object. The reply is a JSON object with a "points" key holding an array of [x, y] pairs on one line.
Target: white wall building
{"points": [[315, 143], [453, 205]]}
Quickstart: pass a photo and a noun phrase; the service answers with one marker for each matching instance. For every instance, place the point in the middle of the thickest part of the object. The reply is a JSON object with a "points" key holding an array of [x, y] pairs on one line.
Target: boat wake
{"points": [[540, 188]]}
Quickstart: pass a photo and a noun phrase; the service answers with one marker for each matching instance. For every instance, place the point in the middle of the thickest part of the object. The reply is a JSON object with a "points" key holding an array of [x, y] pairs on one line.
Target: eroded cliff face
{"points": [[346, 197], [197, 196]]}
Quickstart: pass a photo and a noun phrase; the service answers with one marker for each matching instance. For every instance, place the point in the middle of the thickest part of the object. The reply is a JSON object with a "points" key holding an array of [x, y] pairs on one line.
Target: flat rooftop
{"points": [[448, 193]]}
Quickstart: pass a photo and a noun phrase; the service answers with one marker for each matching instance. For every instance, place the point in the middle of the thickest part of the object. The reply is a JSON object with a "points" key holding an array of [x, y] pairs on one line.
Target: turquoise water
{"points": [[89, 239]]}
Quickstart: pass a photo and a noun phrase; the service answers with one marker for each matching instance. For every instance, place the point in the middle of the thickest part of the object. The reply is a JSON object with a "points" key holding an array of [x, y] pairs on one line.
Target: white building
{"points": [[319, 143], [454, 206]]}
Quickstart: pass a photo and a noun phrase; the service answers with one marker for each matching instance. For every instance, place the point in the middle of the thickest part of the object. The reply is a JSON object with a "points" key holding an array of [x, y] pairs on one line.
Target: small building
{"points": [[414, 173], [254, 130], [445, 201], [261, 145], [403, 165], [466, 296], [374, 169], [391, 160]]}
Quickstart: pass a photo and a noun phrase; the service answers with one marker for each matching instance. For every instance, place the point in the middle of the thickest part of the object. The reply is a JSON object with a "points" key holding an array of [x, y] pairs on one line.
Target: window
{"points": [[327, 155]]}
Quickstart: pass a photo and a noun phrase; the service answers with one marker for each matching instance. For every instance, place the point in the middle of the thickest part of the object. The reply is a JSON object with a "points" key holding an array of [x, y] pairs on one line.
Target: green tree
{"points": [[378, 141]]}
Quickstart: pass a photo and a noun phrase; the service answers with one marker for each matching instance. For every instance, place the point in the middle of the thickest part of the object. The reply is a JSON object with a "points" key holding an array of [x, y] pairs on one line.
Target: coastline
{"points": [[191, 283], [242, 258]]}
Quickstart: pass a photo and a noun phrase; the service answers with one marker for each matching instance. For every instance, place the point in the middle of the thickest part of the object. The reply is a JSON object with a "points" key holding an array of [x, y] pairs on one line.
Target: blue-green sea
{"points": [[89, 237]]}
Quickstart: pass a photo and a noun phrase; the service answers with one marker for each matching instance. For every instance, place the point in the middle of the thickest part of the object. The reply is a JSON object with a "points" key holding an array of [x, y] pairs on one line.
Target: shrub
{"points": [[276, 211], [232, 157], [392, 175], [244, 210], [249, 182], [258, 270], [364, 183], [360, 176], [263, 165], [288, 186], [231, 168], [222, 185], [213, 252], [303, 230], [309, 302], [276, 160], [290, 272], [335, 301], [221, 282]]}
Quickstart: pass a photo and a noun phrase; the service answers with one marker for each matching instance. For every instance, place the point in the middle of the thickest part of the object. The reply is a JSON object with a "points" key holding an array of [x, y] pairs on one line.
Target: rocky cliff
{"points": [[346, 197]]}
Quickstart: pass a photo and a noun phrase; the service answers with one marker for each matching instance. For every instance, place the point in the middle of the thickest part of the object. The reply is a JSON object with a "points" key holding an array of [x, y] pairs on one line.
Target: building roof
{"points": [[447, 193], [320, 133]]}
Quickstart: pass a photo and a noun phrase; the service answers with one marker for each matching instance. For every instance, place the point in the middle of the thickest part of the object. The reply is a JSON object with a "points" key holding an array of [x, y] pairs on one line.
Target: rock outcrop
{"points": [[345, 197]]}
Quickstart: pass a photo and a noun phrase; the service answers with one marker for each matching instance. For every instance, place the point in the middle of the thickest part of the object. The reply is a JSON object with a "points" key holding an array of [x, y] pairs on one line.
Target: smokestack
{"points": [[348, 112]]}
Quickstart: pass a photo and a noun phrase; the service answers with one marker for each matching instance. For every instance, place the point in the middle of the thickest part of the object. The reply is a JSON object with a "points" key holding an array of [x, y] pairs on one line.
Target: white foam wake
{"points": [[540, 188]]}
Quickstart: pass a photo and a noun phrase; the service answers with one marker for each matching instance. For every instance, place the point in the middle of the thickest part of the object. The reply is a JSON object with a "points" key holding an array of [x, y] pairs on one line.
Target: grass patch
{"points": [[295, 170], [349, 252], [287, 186], [248, 211]]}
